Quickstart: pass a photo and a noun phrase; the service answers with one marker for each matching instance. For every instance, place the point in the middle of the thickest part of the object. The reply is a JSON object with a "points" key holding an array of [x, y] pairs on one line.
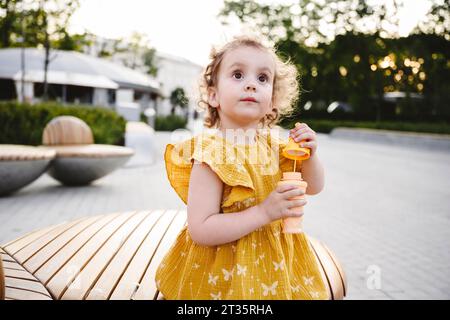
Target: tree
{"points": [[142, 56], [8, 18], [39, 23], [73, 42], [108, 49], [54, 16], [178, 98], [437, 20], [35, 19], [314, 21], [350, 50], [149, 59]]}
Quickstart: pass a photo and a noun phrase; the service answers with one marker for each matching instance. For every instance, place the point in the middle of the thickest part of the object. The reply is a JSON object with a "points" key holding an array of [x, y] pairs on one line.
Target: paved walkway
{"points": [[385, 212]]}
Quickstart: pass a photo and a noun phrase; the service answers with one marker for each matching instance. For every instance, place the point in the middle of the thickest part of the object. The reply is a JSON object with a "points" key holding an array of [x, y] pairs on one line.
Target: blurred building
{"points": [[176, 72], [173, 71], [78, 78]]}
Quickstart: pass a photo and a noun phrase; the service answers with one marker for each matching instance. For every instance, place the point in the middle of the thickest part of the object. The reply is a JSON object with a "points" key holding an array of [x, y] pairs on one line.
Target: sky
{"points": [[183, 28]]}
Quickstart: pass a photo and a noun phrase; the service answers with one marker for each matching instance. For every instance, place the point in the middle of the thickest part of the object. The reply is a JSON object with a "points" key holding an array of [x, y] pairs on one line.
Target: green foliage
{"points": [[359, 66], [149, 60], [40, 23], [24, 123], [169, 123], [141, 55], [342, 71], [178, 98], [143, 117], [73, 42]]}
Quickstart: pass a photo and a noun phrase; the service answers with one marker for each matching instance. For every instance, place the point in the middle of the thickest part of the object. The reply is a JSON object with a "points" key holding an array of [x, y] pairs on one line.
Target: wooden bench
{"points": [[112, 256], [78, 160], [20, 165]]}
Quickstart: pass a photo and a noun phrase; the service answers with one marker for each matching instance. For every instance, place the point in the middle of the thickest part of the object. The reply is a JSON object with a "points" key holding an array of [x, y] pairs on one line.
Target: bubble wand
{"points": [[294, 152]]}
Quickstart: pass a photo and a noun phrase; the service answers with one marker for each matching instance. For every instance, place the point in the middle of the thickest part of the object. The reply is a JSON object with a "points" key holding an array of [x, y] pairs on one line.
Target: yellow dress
{"points": [[265, 264]]}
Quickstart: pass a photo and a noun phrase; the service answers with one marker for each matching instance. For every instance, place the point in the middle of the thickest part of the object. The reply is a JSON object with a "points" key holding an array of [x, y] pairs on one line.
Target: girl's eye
{"points": [[237, 75], [263, 78]]}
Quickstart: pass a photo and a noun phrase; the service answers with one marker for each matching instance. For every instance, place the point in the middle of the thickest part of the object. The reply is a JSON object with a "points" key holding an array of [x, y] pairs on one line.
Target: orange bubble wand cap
{"points": [[294, 151]]}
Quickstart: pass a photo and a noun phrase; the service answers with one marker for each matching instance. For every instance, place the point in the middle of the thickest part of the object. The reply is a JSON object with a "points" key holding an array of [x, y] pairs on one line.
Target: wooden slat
{"points": [[32, 248], [24, 284], [91, 151], [85, 280], [17, 152], [136, 269], [20, 274], [6, 257], [12, 265], [332, 273], [20, 284], [20, 294], [67, 130], [147, 288], [117, 267], [313, 242], [2, 280], [52, 248], [12, 272], [64, 277], [15, 245], [339, 267], [46, 271]]}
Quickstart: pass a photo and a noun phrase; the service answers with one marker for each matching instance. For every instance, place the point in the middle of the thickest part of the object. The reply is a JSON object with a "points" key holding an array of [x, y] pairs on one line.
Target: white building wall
{"points": [[28, 91], [100, 97], [173, 72], [176, 72], [125, 105]]}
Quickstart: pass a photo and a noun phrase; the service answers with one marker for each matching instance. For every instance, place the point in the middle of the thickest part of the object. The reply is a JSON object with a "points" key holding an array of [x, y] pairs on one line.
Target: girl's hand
{"points": [[277, 204], [303, 132]]}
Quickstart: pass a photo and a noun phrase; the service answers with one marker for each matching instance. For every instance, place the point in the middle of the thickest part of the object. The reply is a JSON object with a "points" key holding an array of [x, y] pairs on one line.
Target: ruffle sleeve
{"points": [[212, 151]]}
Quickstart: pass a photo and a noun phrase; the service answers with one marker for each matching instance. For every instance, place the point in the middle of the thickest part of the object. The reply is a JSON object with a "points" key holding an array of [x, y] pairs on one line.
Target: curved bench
{"points": [[17, 283], [82, 164], [20, 165], [78, 160], [115, 256]]}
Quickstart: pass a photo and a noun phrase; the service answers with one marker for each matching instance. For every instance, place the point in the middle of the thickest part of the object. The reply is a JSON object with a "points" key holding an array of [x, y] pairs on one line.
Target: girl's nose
{"points": [[250, 87]]}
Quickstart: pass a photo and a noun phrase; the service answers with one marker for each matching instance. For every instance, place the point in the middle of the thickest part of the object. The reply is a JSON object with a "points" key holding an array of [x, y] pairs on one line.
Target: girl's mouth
{"points": [[250, 99]]}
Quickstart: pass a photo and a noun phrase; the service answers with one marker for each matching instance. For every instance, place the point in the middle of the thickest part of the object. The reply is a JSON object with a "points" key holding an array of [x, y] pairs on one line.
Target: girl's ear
{"points": [[212, 98]]}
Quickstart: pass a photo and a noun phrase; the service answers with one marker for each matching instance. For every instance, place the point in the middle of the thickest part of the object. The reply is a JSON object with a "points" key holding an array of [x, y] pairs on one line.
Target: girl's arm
{"points": [[313, 174], [206, 225]]}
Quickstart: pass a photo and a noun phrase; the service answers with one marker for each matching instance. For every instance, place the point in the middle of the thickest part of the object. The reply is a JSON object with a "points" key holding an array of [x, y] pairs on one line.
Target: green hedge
{"points": [[326, 126], [169, 123], [23, 123]]}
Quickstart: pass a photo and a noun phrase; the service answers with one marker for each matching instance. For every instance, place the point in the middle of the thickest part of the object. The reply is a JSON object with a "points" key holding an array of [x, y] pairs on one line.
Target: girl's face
{"points": [[244, 89]]}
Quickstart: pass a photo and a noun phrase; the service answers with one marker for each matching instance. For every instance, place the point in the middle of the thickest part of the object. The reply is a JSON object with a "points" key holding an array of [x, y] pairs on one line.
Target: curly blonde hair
{"points": [[285, 84]]}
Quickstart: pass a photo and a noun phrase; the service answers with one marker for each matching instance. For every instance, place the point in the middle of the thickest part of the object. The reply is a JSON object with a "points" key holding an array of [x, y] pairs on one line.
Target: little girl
{"points": [[233, 246]]}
